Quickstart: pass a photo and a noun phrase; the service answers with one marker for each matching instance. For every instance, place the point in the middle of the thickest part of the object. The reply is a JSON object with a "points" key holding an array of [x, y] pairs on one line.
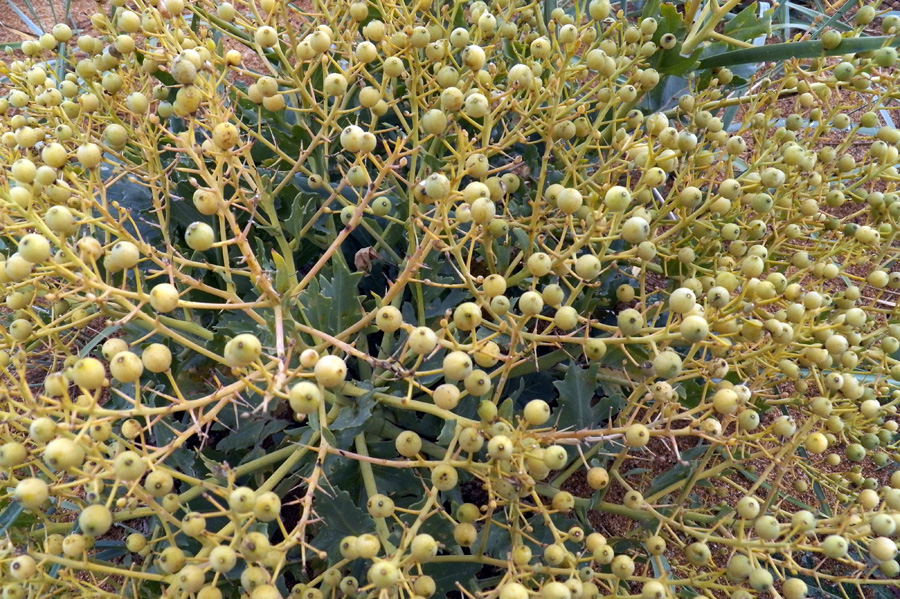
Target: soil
{"points": [[45, 15]]}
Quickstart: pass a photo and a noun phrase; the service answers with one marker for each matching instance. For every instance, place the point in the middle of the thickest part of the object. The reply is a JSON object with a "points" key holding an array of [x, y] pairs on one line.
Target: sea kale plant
{"points": [[396, 299]]}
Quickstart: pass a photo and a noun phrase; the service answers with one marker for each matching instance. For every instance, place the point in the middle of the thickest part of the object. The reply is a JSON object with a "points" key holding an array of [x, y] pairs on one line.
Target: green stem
{"points": [[368, 477]]}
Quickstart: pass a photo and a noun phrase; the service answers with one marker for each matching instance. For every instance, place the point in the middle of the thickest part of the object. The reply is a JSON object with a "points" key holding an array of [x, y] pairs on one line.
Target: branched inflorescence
{"points": [[407, 299]]}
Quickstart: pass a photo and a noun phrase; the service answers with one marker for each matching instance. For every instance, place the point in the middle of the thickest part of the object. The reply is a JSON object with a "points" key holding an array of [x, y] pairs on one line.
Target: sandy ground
{"points": [[14, 29]]}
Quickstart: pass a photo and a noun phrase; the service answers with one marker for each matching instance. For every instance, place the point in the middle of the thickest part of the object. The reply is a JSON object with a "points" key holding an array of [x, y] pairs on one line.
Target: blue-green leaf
{"points": [[9, 515], [341, 517], [576, 392], [789, 50], [352, 418], [332, 304], [747, 25]]}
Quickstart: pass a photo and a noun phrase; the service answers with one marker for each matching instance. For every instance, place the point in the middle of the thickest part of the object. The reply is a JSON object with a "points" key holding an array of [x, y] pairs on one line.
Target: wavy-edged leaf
{"points": [[747, 25], [353, 417], [251, 434], [302, 210], [341, 517], [332, 305], [576, 391], [671, 62], [612, 402], [690, 392]]}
